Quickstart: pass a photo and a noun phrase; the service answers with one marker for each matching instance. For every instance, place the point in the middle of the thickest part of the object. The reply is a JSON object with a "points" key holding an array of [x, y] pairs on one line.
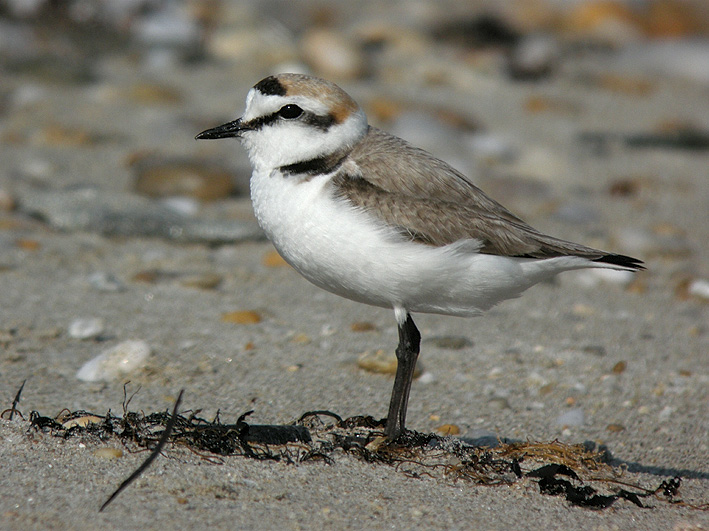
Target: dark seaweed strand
{"points": [[151, 457]]}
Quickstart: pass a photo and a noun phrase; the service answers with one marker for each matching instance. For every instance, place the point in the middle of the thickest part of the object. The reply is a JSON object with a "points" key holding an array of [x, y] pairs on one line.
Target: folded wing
{"points": [[432, 203]]}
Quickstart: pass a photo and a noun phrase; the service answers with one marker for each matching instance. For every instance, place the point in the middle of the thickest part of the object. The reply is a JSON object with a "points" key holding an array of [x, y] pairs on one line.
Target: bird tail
{"points": [[619, 261]]}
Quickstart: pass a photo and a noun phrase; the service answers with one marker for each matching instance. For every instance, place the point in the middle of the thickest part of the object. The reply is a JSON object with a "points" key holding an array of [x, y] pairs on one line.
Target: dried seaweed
{"points": [[582, 476], [13, 408], [153, 455]]}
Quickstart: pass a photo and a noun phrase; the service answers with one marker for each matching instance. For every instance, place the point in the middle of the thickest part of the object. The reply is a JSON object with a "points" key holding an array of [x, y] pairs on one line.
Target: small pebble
{"points": [[108, 453], [376, 444], [594, 350], [383, 362], [302, 339], [546, 389], [242, 317], [450, 342], [101, 281], [7, 201], [426, 378], [81, 421], [151, 276], [448, 429], [534, 57], [499, 403], [495, 373], [619, 367], [631, 86], [666, 413], [542, 164], [625, 187], [27, 244], [162, 177], [571, 418], [534, 379], [202, 281], [583, 310], [65, 136], [115, 362], [86, 328], [700, 289], [185, 206], [608, 22], [362, 326]]}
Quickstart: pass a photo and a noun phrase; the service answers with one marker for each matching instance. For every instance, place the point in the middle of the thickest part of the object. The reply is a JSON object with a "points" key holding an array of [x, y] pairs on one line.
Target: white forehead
{"points": [[259, 104]]}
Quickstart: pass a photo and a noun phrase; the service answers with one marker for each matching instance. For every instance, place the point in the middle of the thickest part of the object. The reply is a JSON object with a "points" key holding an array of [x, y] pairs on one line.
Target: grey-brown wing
{"points": [[433, 221], [395, 166], [434, 204]]}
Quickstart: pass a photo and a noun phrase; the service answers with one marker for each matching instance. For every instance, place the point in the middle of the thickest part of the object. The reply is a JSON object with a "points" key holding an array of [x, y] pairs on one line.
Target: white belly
{"points": [[344, 251]]}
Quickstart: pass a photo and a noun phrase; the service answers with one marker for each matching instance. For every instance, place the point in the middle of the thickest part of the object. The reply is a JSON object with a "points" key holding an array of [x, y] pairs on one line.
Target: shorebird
{"points": [[365, 215]]}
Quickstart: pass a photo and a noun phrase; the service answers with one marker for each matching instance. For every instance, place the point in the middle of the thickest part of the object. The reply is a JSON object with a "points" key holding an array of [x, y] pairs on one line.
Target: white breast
{"points": [[345, 251], [334, 247]]}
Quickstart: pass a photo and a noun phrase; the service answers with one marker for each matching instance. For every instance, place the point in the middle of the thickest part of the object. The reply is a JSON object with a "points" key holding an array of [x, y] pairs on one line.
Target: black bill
{"points": [[229, 130]]}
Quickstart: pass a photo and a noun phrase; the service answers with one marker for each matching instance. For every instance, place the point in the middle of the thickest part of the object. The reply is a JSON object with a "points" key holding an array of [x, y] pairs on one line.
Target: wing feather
{"points": [[434, 204]]}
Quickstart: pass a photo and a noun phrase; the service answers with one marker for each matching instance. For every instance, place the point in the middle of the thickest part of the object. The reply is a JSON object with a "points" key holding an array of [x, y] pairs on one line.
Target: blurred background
{"points": [[110, 93], [574, 114], [587, 118]]}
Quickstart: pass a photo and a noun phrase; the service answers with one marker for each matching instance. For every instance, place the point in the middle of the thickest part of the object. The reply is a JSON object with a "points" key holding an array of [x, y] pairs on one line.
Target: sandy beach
{"points": [[116, 226]]}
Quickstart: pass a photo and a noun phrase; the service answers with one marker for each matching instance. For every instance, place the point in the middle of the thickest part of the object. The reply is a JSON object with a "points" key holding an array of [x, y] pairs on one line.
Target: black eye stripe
{"points": [[321, 122]]}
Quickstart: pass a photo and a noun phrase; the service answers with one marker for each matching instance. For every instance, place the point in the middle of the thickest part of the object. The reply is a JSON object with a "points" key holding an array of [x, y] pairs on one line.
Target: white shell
{"points": [[115, 362], [86, 328]]}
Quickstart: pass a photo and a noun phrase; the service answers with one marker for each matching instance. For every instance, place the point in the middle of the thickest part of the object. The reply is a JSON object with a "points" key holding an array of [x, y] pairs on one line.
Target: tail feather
{"points": [[625, 262]]}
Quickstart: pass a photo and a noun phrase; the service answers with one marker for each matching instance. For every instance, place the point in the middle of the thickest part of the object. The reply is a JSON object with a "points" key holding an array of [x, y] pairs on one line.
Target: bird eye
{"points": [[290, 111]]}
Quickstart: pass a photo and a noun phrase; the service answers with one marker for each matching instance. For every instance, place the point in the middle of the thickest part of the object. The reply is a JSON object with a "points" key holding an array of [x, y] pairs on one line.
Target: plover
{"points": [[365, 215]]}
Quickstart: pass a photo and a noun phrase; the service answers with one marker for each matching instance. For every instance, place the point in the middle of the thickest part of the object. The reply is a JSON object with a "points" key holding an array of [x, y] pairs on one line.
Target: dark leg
{"points": [[406, 354]]}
